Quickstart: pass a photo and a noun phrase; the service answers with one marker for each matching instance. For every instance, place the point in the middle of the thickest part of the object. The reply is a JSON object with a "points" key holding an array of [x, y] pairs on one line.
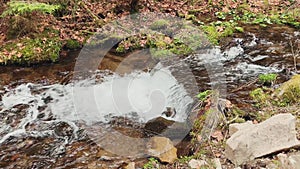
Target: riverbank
{"points": [[68, 24]]}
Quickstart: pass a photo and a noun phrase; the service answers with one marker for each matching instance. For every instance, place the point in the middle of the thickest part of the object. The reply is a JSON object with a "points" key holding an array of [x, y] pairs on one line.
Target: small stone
{"points": [[289, 162], [255, 140], [218, 164], [162, 148], [294, 161], [131, 165], [197, 164]]}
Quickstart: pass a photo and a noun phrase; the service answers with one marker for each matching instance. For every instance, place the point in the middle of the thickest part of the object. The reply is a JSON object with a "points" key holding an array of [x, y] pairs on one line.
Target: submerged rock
{"points": [[162, 148], [158, 125], [249, 141], [167, 128]]}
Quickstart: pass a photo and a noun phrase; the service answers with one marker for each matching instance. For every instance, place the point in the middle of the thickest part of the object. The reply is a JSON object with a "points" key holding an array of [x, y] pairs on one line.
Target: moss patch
{"points": [[159, 24], [289, 92], [29, 51], [215, 31], [72, 44]]}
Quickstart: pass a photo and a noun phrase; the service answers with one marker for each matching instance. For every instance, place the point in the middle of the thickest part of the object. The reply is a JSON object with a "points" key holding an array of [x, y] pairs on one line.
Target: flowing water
{"points": [[46, 112]]}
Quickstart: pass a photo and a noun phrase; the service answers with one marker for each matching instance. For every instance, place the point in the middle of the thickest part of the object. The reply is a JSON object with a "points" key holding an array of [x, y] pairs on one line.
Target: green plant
{"points": [[72, 44], [221, 15], [203, 95], [151, 164], [26, 8], [267, 79], [217, 30], [24, 16], [185, 159]]}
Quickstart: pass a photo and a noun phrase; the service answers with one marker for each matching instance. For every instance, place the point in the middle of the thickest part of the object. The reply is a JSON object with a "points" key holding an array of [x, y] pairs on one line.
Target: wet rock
{"points": [[255, 140], [167, 128], [63, 129], [197, 164], [158, 125], [116, 142], [162, 148]]}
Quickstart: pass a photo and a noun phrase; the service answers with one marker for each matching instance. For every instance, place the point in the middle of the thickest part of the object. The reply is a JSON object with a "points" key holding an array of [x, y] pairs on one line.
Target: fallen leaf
{"points": [[199, 138], [218, 155], [217, 135]]}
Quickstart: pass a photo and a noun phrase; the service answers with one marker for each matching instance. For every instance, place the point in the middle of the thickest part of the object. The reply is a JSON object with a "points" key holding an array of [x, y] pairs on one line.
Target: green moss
{"points": [[28, 51], [218, 30], [95, 41], [161, 44], [181, 49], [72, 44], [159, 24], [160, 53], [259, 96], [289, 92], [267, 79], [236, 115], [212, 33], [191, 38]]}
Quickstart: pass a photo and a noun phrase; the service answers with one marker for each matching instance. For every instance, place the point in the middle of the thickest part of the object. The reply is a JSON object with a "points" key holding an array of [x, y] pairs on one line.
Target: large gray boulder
{"points": [[249, 141]]}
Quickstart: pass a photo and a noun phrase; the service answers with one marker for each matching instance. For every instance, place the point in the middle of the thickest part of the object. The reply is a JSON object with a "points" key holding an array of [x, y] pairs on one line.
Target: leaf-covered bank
{"points": [[75, 21]]}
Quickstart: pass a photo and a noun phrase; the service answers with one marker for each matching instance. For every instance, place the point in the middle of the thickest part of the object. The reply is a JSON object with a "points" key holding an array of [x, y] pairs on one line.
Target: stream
{"points": [[47, 120]]}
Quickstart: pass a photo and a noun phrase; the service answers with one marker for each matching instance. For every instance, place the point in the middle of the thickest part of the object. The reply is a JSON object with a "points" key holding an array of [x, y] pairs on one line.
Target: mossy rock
{"points": [[161, 53], [289, 92], [159, 24], [30, 51]]}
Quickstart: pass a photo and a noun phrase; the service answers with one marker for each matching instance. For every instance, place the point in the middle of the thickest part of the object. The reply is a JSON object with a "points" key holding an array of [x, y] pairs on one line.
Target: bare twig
{"points": [[295, 54], [245, 85]]}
